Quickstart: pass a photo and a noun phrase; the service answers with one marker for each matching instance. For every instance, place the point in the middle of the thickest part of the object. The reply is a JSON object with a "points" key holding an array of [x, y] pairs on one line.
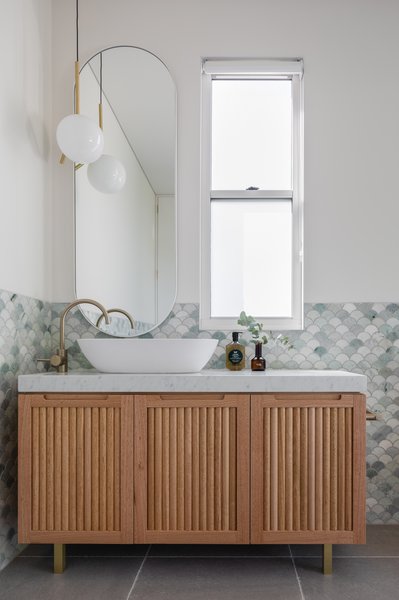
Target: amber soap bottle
{"points": [[258, 363], [235, 354]]}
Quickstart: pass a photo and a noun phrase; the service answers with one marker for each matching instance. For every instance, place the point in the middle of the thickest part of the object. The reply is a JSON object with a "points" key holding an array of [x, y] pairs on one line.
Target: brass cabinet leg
{"points": [[327, 559], [59, 558]]}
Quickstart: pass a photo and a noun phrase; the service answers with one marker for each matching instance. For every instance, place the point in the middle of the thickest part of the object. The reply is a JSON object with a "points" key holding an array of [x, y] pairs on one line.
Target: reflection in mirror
{"points": [[126, 241]]}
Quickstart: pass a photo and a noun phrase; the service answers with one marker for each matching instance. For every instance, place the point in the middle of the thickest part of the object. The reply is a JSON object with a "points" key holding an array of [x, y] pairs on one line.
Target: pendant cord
{"points": [[77, 30]]}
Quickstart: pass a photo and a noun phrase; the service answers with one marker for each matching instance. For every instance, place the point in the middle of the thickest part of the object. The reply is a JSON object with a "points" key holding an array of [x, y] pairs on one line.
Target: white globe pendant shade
{"points": [[107, 174], [80, 138]]}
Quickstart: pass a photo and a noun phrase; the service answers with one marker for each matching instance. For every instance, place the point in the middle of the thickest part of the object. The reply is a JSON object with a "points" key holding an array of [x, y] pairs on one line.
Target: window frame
{"points": [[270, 69]]}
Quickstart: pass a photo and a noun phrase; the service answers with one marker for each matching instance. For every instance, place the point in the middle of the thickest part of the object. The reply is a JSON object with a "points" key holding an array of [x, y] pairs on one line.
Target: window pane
{"points": [[251, 258], [251, 134]]}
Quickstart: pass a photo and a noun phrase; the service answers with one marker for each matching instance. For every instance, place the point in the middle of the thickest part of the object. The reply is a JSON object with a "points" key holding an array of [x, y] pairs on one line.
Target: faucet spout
{"points": [[60, 360]]}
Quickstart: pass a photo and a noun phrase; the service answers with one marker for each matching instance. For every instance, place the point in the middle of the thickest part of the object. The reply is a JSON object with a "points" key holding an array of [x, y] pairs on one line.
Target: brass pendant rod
{"points": [[100, 115]]}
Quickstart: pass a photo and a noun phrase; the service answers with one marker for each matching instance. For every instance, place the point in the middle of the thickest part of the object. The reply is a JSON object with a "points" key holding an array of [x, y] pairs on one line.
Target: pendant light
{"points": [[79, 137], [107, 174]]}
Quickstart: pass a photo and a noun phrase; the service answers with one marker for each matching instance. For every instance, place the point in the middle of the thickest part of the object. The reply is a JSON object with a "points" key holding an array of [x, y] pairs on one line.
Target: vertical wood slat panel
{"points": [[326, 469], [348, 468], [211, 469], [304, 469], [35, 470], [75, 468], [334, 469], [117, 470], [72, 469], [307, 468], [180, 469], [80, 469], [158, 469], [297, 469], [218, 468], [95, 482], [110, 444], [341, 469], [87, 417], [274, 469], [225, 467], [281, 468], [42, 469], [57, 468], [266, 469], [65, 468], [103, 468], [165, 469], [203, 468], [289, 469], [151, 467], [195, 469], [188, 470], [311, 469], [173, 468], [50, 469], [319, 469], [233, 469]]}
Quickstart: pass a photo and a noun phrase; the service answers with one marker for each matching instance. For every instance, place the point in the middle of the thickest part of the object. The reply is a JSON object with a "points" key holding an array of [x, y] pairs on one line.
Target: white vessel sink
{"points": [[148, 355]]}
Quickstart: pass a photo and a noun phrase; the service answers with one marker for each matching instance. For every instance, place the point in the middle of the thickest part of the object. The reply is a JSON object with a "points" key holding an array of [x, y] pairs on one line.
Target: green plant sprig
{"points": [[258, 335]]}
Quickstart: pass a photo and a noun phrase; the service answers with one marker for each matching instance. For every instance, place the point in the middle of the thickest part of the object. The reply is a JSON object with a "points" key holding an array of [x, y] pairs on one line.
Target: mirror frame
{"points": [[175, 202]]}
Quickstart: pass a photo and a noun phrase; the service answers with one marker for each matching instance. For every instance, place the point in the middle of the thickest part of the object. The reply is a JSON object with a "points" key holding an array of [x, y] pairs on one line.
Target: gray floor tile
{"points": [[83, 579], [217, 579], [220, 550], [89, 550], [352, 579], [382, 540]]}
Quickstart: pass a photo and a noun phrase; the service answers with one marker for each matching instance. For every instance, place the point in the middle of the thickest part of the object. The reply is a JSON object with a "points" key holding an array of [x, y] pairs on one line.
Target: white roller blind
{"points": [[252, 67]]}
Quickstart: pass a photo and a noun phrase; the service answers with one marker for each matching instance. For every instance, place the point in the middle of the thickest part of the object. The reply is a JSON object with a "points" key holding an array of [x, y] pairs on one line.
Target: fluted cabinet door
{"points": [[308, 468], [75, 468], [192, 468]]}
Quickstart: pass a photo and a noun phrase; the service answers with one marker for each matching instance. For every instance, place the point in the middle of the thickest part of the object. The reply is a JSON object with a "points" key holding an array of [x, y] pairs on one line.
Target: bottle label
{"points": [[235, 356]]}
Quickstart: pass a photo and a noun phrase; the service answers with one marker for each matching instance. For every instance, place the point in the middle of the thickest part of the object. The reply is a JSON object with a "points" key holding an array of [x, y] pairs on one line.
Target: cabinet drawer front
{"points": [[307, 469], [192, 464], [75, 469]]}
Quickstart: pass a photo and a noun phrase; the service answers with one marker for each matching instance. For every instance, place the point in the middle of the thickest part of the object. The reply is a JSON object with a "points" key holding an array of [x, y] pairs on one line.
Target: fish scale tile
{"points": [[24, 337], [362, 337]]}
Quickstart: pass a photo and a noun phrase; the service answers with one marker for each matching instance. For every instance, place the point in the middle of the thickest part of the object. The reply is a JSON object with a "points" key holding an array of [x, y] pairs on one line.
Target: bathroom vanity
{"points": [[206, 458]]}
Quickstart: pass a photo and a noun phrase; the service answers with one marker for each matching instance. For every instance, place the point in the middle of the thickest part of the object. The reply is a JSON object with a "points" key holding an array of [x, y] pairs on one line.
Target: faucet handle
{"points": [[56, 360]]}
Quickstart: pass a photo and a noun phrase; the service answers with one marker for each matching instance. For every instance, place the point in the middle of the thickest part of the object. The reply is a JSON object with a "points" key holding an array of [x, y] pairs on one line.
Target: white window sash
{"points": [[210, 69]]}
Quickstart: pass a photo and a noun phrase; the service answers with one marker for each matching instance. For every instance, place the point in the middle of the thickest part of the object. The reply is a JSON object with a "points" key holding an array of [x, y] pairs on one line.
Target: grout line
{"points": [[138, 573], [296, 574]]}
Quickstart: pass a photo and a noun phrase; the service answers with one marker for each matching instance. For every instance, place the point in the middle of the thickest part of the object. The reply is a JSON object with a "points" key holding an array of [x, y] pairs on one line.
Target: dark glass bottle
{"points": [[258, 363], [235, 354]]}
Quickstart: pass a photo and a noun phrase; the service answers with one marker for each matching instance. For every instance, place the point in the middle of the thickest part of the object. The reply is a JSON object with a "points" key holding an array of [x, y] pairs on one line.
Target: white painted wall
{"points": [[115, 229], [350, 52], [166, 255], [25, 139]]}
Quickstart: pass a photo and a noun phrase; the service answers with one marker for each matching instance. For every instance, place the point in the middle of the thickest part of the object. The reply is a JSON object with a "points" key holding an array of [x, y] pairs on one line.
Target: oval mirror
{"points": [[125, 209]]}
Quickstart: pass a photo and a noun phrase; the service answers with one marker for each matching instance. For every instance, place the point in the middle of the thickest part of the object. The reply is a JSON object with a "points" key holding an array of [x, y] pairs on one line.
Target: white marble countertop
{"points": [[213, 380]]}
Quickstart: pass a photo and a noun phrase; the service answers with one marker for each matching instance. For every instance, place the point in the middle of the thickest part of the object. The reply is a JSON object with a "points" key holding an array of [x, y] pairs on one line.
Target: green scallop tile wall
{"points": [[358, 337], [24, 337]]}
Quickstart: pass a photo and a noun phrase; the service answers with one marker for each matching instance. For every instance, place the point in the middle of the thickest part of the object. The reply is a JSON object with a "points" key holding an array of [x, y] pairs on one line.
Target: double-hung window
{"points": [[252, 192]]}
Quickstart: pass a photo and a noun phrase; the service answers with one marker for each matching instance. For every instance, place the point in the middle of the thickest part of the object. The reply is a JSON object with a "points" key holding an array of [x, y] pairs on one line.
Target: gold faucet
{"points": [[59, 360], [117, 310]]}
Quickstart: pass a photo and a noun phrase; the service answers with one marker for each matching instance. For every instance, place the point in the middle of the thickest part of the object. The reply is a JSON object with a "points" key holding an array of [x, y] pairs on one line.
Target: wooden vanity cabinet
{"points": [[75, 468], [192, 468]]}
